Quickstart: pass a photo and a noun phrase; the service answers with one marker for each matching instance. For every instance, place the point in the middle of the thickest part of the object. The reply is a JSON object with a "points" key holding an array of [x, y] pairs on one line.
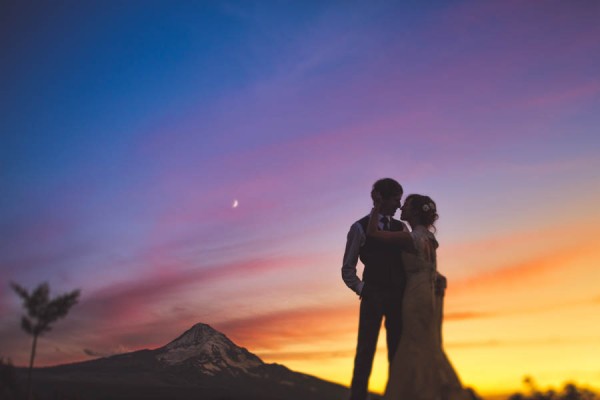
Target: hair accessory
{"points": [[427, 207]]}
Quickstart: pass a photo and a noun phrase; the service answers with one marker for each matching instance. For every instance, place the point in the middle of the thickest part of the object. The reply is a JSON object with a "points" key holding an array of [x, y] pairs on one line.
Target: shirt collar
{"points": [[379, 216]]}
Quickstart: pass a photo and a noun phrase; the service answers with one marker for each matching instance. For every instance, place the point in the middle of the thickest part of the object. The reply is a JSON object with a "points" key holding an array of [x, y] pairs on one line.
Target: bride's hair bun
{"points": [[424, 208]]}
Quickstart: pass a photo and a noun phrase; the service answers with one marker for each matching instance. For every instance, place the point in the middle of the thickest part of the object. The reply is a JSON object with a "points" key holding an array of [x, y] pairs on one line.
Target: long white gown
{"points": [[420, 369]]}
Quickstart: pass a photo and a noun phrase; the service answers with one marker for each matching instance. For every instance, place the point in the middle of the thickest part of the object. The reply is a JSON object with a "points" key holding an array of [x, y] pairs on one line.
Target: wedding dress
{"points": [[420, 369]]}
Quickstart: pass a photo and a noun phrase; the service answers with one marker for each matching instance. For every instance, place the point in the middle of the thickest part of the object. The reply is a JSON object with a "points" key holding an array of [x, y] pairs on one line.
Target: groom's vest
{"points": [[383, 261]]}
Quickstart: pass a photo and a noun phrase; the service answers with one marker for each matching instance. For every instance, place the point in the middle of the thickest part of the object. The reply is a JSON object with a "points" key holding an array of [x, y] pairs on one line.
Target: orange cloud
{"points": [[305, 325], [525, 272], [525, 342], [457, 316], [308, 355]]}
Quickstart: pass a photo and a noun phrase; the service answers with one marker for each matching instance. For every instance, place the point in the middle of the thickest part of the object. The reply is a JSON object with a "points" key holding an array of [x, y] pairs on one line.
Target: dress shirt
{"points": [[355, 240]]}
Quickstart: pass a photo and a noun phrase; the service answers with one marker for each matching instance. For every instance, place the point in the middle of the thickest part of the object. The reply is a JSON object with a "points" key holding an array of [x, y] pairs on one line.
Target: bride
{"points": [[420, 369]]}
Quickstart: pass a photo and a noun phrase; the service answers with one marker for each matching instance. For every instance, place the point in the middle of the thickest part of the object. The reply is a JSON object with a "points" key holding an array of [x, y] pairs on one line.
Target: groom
{"points": [[381, 288]]}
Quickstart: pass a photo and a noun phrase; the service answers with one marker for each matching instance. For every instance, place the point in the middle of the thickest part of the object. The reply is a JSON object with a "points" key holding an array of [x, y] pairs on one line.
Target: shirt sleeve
{"points": [[354, 241]]}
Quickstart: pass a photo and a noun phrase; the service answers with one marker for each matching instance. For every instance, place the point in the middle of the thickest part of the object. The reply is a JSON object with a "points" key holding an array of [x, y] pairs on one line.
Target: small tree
{"points": [[41, 312]]}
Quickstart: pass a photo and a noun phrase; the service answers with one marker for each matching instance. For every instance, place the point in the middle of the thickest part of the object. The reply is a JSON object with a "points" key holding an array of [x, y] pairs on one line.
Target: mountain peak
{"points": [[198, 333], [208, 349]]}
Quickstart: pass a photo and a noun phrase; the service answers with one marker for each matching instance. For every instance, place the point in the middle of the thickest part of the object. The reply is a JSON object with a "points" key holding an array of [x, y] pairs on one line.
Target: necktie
{"points": [[386, 223]]}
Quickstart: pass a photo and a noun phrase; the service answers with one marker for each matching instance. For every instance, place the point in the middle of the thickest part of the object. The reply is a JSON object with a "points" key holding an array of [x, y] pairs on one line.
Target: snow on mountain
{"points": [[209, 351]]}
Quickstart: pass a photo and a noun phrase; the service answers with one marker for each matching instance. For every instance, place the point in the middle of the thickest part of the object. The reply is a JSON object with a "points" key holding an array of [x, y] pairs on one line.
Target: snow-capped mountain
{"points": [[202, 363], [210, 352]]}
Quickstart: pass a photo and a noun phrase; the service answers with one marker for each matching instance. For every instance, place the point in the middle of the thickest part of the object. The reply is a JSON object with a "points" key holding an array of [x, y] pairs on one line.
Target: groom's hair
{"points": [[387, 187]]}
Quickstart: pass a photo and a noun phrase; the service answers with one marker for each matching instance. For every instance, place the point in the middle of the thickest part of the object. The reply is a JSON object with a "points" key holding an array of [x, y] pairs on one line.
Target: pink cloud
{"points": [[132, 299], [565, 96]]}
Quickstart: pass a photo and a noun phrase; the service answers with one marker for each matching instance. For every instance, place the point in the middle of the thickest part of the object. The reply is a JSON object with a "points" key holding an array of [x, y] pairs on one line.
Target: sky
{"points": [[185, 162]]}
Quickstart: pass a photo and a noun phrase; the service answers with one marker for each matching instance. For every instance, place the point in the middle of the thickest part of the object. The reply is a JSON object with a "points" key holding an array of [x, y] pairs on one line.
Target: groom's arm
{"points": [[354, 241]]}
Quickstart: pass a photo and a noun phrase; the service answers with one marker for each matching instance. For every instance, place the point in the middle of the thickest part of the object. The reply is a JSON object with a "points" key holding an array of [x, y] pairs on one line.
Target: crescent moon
{"points": [[235, 204]]}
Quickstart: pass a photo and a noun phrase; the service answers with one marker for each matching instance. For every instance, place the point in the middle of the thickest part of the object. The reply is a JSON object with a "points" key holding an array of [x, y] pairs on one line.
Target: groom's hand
{"points": [[363, 292]]}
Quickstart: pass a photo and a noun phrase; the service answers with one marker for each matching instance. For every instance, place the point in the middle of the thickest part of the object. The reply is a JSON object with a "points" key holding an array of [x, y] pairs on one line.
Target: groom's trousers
{"points": [[374, 307]]}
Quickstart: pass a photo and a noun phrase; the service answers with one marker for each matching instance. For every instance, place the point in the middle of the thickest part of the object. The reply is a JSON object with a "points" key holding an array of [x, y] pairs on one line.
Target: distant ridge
{"points": [[202, 363]]}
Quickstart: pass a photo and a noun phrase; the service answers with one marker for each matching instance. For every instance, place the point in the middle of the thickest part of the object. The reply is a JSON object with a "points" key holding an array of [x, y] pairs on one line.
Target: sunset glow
{"points": [[203, 162]]}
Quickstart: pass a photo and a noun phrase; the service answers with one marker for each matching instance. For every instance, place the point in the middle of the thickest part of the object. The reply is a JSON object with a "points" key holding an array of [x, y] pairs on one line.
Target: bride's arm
{"points": [[402, 239]]}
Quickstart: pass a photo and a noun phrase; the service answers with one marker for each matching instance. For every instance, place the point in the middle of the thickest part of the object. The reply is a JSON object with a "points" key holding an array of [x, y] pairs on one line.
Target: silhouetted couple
{"points": [[401, 285]]}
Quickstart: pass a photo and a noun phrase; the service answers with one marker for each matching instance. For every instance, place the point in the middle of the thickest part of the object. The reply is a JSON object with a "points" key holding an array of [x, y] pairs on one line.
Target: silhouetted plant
{"points": [[473, 395], [41, 312], [569, 392]]}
